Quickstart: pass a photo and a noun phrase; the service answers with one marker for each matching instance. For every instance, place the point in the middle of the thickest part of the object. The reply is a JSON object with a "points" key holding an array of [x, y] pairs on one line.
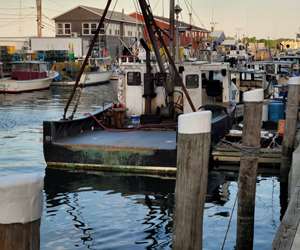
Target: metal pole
{"points": [[39, 17]]}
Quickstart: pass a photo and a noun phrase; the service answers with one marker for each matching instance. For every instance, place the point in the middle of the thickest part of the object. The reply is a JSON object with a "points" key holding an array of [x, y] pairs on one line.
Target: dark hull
{"points": [[81, 144]]}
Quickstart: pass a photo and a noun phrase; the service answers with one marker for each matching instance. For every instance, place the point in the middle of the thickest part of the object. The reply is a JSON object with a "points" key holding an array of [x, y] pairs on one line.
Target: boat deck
{"points": [[153, 140], [107, 150]]}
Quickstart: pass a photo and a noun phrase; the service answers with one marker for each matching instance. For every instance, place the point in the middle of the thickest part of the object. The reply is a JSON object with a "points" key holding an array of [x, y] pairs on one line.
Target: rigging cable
{"points": [[82, 85], [93, 41], [230, 219]]}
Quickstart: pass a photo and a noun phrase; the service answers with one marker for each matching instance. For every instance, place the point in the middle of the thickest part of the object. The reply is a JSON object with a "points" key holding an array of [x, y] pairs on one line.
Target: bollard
{"points": [[248, 168], [290, 128], [21, 205], [193, 149]]}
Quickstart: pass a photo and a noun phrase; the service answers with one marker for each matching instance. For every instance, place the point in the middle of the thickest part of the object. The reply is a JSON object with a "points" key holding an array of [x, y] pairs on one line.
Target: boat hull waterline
{"points": [[92, 78], [10, 86]]}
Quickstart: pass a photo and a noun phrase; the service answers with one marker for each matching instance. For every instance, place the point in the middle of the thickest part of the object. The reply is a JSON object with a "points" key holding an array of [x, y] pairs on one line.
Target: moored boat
{"points": [[27, 76], [97, 72]]}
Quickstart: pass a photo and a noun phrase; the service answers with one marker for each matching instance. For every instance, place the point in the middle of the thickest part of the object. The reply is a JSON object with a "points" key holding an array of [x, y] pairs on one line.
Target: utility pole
{"points": [[172, 28], [39, 17], [177, 12]]}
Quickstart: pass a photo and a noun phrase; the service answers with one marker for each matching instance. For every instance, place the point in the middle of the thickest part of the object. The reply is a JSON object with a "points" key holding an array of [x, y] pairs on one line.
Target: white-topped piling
{"points": [[21, 205], [253, 103], [193, 147]]}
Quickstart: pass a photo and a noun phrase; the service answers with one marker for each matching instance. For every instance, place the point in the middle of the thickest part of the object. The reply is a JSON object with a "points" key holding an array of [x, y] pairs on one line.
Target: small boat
{"points": [[97, 73], [27, 76]]}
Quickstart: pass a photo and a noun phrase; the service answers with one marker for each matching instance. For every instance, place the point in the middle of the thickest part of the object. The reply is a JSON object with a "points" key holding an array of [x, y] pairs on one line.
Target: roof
{"points": [[181, 24], [217, 34], [112, 15], [229, 42]]}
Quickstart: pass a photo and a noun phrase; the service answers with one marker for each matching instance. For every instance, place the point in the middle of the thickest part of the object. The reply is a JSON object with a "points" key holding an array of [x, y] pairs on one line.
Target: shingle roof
{"points": [[112, 15]]}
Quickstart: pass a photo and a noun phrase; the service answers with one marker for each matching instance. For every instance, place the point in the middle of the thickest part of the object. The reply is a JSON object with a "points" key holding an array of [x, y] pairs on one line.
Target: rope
{"points": [[230, 219], [247, 150]]}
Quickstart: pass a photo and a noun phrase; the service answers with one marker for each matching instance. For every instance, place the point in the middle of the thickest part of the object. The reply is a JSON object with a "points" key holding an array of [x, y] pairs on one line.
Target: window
{"points": [[129, 33], [90, 28], [85, 29], [63, 29], [110, 31], [192, 81], [134, 78], [93, 28]]}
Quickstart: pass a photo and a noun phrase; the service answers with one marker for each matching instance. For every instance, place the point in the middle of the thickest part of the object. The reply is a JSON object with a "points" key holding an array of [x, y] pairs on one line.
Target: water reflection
{"points": [[105, 211], [111, 211]]}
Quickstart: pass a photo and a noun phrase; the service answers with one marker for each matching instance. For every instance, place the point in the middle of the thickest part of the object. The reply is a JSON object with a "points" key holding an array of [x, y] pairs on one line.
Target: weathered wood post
{"points": [[193, 148], [21, 204], [253, 101], [290, 128]]}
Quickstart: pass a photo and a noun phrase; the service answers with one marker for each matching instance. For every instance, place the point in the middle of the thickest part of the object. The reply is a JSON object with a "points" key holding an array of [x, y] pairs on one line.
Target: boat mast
{"points": [[153, 29], [39, 17], [172, 27]]}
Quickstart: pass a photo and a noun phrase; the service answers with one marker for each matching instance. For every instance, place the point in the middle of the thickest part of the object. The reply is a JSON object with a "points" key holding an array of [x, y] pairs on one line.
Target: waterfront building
{"points": [[118, 31], [189, 35]]}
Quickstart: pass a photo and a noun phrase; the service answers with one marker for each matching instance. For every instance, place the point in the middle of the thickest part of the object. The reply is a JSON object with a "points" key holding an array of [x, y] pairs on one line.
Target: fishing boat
{"points": [[97, 72], [27, 76], [139, 133]]}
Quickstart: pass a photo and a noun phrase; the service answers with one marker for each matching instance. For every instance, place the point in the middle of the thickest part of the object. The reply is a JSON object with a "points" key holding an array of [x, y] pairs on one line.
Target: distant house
{"points": [[82, 21], [190, 35]]}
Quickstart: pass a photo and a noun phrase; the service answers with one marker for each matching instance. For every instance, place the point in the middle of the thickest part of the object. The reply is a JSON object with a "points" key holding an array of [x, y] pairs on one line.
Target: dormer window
{"points": [[63, 29]]}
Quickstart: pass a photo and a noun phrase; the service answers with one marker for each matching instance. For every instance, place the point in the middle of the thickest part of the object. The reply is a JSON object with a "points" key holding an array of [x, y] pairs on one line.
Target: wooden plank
{"points": [[237, 159]]}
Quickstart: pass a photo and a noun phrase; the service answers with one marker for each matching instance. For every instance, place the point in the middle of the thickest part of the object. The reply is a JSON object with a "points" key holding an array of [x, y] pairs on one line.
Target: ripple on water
{"points": [[114, 212]]}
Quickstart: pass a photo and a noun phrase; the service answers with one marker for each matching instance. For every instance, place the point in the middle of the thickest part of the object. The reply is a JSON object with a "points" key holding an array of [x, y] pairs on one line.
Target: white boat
{"points": [[98, 74], [27, 76], [88, 79]]}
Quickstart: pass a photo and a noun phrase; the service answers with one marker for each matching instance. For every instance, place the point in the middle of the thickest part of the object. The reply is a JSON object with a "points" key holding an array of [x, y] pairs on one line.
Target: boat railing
{"points": [[54, 130]]}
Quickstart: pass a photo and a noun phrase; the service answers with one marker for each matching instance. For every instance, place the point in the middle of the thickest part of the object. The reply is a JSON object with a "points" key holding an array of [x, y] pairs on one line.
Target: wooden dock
{"points": [[227, 157]]}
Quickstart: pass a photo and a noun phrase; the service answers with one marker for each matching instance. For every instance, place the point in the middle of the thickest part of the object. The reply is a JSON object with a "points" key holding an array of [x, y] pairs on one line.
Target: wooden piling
{"points": [[191, 182], [290, 128], [248, 168], [21, 203]]}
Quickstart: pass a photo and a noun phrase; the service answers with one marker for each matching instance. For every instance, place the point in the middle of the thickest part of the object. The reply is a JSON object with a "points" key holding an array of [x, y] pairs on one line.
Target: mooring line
{"points": [[230, 219]]}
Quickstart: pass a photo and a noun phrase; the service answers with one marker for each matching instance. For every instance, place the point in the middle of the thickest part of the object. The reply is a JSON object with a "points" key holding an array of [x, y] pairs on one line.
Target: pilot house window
{"points": [[192, 81], [134, 78]]}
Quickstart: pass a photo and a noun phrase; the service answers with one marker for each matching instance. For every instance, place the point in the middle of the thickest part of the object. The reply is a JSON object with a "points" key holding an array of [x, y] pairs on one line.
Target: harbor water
{"points": [[113, 211]]}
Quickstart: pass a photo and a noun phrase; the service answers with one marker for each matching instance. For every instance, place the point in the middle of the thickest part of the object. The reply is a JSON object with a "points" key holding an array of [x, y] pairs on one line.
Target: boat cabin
{"points": [[295, 59], [248, 79], [29, 70], [206, 83], [274, 69]]}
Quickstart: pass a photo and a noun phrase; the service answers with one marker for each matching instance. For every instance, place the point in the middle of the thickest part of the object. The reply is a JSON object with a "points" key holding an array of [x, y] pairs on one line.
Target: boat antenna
{"points": [[95, 37]]}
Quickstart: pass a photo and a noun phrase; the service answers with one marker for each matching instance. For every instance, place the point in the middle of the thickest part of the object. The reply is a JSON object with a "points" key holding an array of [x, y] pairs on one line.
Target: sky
{"points": [[260, 18]]}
